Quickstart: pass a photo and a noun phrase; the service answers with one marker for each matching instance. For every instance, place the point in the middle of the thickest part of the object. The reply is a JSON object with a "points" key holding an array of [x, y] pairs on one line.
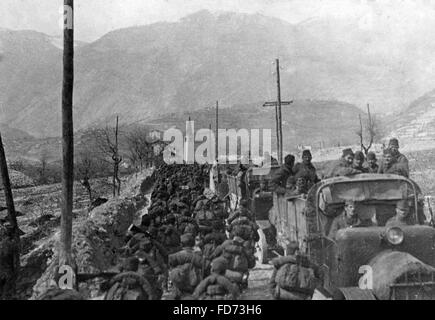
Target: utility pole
{"points": [[65, 255], [217, 131], [217, 140], [278, 99], [278, 114], [369, 115], [115, 187], [15, 263], [117, 160], [209, 154], [8, 189]]}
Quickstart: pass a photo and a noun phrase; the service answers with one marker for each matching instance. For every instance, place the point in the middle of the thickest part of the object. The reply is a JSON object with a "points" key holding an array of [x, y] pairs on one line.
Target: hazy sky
{"points": [[94, 18]]}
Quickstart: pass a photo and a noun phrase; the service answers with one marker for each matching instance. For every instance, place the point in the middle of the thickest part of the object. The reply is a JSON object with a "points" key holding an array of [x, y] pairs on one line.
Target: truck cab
{"points": [[380, 260]]}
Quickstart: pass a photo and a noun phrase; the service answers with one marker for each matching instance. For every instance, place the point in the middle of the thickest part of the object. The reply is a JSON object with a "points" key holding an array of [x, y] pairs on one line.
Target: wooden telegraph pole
{"points": [[65, 255], [217, 140], [278, 99], [117, 160], [278, 114], [8, 189], [15, 263], [216, 133]]}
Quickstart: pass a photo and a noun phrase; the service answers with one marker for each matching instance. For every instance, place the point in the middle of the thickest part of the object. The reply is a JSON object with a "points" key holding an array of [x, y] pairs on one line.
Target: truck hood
{"points": [[390, 266]]}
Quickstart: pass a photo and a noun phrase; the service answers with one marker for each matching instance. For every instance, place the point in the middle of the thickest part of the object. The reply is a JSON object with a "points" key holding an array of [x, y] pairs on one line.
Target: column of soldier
{"points": [[190, 243], [188, 246]]}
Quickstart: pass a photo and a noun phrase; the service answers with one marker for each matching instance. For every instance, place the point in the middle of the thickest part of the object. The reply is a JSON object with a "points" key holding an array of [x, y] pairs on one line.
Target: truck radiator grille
{"points": [[415, 285]]}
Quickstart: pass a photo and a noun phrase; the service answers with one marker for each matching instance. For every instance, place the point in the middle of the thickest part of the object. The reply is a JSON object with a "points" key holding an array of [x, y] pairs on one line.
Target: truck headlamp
{"points": [[395, 236]]}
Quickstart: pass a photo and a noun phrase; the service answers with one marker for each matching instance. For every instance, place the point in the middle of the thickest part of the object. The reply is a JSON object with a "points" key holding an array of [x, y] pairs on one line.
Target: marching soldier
{"points": [[294, 277], [186, 268], [217, 286]]}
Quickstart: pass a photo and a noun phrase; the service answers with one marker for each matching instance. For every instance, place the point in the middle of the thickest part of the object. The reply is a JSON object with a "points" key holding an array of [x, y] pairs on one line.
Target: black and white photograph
{"points": [[216, 154]]}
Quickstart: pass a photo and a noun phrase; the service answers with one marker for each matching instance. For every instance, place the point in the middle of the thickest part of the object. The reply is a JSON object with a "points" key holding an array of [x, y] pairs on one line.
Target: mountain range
{"points": [[153, 72]]}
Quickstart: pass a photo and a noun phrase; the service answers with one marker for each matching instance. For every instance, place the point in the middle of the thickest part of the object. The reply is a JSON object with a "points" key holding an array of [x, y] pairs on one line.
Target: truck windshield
{"points": [[374, 200]]}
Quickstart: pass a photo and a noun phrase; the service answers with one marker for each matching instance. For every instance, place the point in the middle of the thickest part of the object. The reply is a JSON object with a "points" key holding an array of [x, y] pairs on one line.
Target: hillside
{"points": [[18, 180], [12, 134], [416, 125], [146, 71]]}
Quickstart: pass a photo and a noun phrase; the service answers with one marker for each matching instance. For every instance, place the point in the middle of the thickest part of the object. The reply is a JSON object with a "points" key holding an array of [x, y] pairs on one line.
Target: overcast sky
{"points": [[94, 18]]}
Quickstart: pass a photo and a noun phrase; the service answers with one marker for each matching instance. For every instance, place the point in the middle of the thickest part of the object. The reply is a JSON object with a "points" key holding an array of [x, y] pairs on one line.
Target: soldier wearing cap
{"points": [[306, 170], [390, 165], [400, 161], [130, 284], [279, 179], [348, 219], [344, 165], [301, 187], [371, 165], [402, 215], [400, 158], [213, 239], [242, 211], [292, 250], [152, 265], [168, 235], [295, 265], [358, 162], [217, 286], [177, 260]]}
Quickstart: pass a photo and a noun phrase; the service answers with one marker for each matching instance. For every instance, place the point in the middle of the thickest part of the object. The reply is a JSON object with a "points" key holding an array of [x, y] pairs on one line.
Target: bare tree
{"points": [[139, 147], [370, 132], [107, 141], [43, 160], [86, 169]]}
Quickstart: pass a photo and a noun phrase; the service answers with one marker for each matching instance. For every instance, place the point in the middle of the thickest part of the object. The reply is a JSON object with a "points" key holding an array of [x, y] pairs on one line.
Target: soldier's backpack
{"points": [[205, 217], [185, 276], [244, 231], [295, 277], [129, 286], [238, 260], [209, 248], [170, 237], [216, 290]]}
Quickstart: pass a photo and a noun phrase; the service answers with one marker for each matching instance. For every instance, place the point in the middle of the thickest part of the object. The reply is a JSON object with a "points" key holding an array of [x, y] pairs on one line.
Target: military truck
{"points": [[376, 262]]}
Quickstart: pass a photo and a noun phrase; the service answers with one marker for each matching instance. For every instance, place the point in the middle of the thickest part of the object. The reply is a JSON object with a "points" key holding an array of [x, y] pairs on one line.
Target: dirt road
{"points": [[258, 283]]}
